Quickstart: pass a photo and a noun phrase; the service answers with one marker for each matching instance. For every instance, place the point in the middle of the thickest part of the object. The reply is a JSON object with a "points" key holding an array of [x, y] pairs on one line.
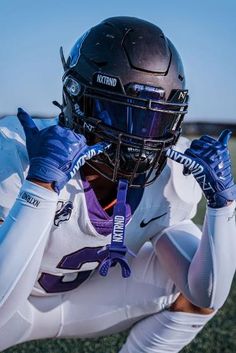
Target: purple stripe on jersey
{"points": [[101, 221]]}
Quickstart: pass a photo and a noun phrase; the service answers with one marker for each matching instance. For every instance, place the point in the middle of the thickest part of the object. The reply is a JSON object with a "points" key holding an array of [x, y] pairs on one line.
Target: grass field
{"points": [[219, 336]]}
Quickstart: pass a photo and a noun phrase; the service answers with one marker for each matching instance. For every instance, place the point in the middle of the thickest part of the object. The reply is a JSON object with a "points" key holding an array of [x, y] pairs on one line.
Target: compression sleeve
{"points": [[201, 269], [164, 332], [23, 237]]}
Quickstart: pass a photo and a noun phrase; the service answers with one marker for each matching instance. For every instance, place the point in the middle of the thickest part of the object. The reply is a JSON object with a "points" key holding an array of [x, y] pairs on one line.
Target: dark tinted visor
{"points": [[129, 117]]}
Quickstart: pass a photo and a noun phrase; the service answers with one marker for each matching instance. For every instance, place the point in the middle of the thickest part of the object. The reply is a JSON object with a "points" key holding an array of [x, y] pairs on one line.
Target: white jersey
{"points": [[62, 254], [71, 251]]}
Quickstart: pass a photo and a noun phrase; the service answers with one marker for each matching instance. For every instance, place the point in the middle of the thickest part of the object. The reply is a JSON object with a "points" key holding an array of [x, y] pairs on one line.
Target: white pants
{"points": [[100, 306]]}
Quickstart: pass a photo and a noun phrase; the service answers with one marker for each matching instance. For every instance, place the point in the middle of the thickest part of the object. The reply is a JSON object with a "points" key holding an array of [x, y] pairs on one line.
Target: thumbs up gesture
{"points": [[208, 159], [55, 153]]}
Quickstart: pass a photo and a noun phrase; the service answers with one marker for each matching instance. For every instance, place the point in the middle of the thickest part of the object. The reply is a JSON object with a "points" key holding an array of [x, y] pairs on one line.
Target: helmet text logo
{"points": [[182, 95], [106, 80]]}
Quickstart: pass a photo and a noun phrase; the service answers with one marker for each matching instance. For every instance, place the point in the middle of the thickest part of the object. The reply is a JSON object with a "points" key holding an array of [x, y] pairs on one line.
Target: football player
{"points": [[96, 206]]}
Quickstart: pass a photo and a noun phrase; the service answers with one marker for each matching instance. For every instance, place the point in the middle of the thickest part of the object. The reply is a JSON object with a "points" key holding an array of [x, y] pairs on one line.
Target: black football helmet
{"points": [[124, 84]]}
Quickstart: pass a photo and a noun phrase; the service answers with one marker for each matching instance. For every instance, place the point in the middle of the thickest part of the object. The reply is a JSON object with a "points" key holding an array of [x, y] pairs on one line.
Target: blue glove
{"points": [[209, 161], [55, 153]]}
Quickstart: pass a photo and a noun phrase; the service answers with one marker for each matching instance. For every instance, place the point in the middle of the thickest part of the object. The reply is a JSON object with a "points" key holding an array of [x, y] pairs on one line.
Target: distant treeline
{"points": [[204, 128]]}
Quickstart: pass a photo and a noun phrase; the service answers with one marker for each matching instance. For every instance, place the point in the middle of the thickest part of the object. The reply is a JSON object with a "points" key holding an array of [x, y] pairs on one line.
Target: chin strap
{"points": [[117, 249]]}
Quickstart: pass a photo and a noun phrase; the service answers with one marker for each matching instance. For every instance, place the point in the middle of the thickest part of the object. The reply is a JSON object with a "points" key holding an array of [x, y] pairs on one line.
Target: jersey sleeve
{"points": [[13, 162], [25, 231]]}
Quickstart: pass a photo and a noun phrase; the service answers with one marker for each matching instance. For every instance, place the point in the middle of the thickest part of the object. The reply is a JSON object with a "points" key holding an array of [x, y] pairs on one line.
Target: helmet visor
{"points": [[134, 121], [147, 115]]}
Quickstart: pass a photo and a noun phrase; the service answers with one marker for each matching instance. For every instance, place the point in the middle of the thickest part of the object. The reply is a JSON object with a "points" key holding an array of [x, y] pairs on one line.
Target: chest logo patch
{"points": [[144, 224], [63, 212]]}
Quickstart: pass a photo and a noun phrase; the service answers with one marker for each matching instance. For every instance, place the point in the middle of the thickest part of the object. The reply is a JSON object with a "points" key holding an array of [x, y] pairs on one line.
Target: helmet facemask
{"points": [[140, 124]]}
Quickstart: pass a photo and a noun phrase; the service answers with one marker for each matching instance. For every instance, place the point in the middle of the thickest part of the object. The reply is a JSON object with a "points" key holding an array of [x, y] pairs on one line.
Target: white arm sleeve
{"points": [[23, 237], [201, 269], [164, 332]]}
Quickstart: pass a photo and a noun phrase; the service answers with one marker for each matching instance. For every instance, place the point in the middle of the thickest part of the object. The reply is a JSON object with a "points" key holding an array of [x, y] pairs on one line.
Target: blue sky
{"points": [[31, 33]]}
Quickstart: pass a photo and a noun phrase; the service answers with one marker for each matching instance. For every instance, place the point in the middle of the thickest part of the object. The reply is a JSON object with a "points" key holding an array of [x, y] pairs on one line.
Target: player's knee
{"points": [[184, 305]]}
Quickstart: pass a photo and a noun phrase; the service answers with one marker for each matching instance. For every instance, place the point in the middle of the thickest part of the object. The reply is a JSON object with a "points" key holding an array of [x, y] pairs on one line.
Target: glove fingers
{"points": [[224, 137], [88, 153], [199, 145], [96, 149], [179, 157], [27, 122], [208, 139], [204, 147]]}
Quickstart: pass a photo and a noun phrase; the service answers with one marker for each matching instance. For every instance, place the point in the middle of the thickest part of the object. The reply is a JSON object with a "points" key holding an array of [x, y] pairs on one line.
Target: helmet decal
{"points": [[72, 86], [76, 50]]}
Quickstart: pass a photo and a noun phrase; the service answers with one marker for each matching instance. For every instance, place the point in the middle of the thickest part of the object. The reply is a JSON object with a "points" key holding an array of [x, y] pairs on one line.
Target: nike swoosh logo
{"points": [[144, 224]]}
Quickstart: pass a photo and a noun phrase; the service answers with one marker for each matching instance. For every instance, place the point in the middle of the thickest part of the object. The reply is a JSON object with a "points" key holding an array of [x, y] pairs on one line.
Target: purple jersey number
{"points": [[54, 284]]}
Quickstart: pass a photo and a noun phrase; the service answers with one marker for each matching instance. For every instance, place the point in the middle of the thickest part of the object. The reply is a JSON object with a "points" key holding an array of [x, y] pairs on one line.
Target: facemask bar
{"points": [[169, 106], [120, 140], [140, 103]]}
